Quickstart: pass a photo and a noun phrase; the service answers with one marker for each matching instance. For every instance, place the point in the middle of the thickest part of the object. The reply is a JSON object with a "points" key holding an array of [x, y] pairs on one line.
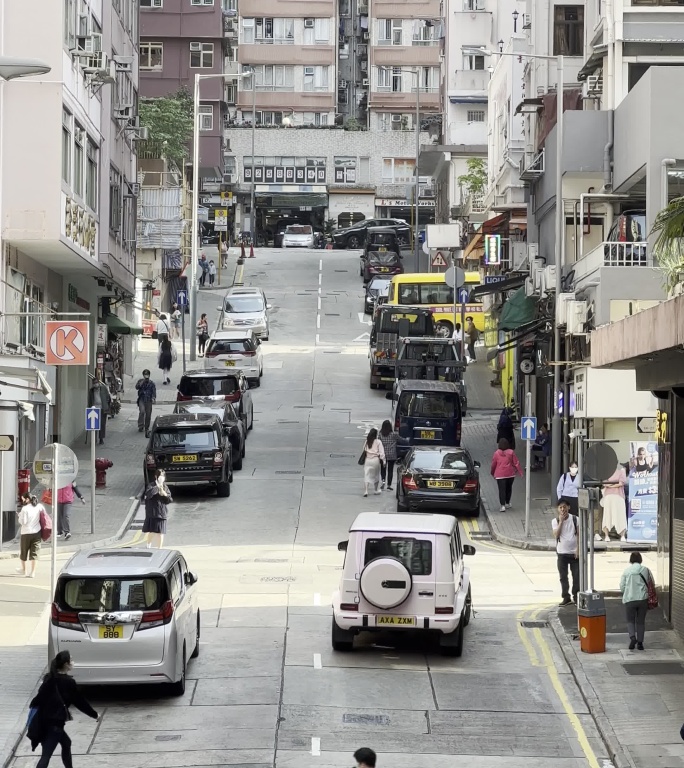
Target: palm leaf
{"points": [[668, 248]]}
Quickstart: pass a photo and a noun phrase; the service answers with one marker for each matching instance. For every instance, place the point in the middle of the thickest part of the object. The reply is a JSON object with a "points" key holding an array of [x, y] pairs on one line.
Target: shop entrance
{"points": [[275, 212]]}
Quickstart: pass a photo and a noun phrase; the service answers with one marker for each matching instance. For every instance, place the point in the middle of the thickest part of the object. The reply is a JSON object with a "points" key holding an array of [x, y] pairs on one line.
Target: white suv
{"points": [[403, 571]]}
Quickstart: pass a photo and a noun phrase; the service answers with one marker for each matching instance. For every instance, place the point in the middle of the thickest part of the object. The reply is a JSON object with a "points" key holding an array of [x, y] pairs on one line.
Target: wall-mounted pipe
{"points": [[595, 196]]}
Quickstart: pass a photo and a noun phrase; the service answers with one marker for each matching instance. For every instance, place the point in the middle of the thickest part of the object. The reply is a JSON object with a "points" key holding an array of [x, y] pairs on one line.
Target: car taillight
{"points": [[234, 397], [450, 609], [65, 619], [458, 433], [182, 398], [158, 618], [470, 485], [149, 460], [396, 424], [218, 457], [249, 354], [211, 354], [349, 607], [409, 483]]}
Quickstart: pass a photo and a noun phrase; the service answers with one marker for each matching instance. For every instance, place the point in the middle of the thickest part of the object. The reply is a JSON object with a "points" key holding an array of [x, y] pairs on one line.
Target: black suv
{"points": [[220, 384], [355, 236], [192, 449], [233, 425]]}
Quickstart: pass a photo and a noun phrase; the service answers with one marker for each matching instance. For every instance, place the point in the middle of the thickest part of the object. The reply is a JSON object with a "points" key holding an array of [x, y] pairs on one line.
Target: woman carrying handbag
{"points": [[372, 457]]}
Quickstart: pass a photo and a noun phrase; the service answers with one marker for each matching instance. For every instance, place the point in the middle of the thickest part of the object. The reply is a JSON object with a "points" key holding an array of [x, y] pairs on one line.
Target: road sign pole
{"points": [[528, 458], [219, 259], [2, 496], [183, 336], [92, 481], [53, 552], [463, 342]]}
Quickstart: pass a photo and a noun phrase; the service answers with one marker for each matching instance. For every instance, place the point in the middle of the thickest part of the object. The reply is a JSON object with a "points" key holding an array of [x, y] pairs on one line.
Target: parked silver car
{"points": [[245, 308], [128, 616]]}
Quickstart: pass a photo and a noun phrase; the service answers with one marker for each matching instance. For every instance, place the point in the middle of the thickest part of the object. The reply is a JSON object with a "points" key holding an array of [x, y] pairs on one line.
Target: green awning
{"points": [[122, 327], [519, 310]]}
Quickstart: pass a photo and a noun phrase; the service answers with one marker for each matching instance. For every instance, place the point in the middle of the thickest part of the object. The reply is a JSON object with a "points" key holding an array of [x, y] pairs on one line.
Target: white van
{"points": [[403, 571]]}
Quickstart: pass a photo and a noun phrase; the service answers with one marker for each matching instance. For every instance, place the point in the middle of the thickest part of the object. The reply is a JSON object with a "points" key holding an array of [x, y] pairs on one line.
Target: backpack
{"points": [[45, 526]]}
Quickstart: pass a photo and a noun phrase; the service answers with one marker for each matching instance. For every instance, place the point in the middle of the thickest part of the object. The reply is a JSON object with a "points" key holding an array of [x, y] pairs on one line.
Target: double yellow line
{"points": [[540, 655], [471, 526]]}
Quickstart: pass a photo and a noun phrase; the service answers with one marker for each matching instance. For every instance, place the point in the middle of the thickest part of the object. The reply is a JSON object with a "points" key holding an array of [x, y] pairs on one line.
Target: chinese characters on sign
{"points": [[642, 509], [80, 226]]}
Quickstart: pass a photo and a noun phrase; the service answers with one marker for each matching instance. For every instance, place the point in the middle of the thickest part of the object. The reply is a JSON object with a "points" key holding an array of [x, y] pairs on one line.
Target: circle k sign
{"points": [[67, 342]]}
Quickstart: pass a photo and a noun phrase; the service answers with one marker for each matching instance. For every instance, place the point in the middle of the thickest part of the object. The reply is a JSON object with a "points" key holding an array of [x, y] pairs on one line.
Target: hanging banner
{"points": [[642, 509]]}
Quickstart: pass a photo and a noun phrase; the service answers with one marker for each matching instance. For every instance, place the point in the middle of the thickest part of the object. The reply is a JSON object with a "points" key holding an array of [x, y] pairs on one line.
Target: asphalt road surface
{"points": [[267, 690]]}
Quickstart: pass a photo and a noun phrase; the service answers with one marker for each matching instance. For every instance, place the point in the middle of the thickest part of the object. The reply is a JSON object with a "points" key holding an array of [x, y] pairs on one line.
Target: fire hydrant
{"points": [[101, 467]]}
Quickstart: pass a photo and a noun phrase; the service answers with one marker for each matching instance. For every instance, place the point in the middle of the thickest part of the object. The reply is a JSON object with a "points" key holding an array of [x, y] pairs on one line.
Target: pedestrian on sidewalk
{"points": [[99, 397], [541, 449], [65, 498], [505, 466], [223, 247], [175, 321], [365, 758], [57, 693], [634, 587], [163, 329], [389, 439], [156, 497], [167, 357], [202, 333], [504, 429], [204, 270], [472, 335], [373, 457], [614, 505], [147, 397], [567, 551], [30, 535], [212, 272], [567, 489]]}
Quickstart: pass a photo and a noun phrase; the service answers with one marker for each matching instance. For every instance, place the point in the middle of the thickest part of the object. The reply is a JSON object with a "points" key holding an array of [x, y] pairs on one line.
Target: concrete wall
{"points": [[630, 283]]}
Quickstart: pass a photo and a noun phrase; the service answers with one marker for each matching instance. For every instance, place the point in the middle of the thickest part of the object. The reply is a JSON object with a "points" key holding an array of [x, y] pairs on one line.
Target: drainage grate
{"points": [[168, 737], [277, 579], [534, 624], [283, 421], [270, 560], [342, 270], [288, 472], [654, 668], [331, 314], [342, 455], [303, 406], [366, 719]]}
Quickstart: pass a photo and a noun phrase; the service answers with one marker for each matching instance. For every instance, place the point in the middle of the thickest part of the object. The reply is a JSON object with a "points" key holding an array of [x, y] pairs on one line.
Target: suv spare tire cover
{"points": [[385, 582]]}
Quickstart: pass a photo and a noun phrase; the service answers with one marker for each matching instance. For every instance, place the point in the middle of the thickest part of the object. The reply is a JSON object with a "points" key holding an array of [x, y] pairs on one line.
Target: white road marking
{"points": [[317, 598], [315, 746], [319, 303], [317, 661], [318, 338], [363, 319], [365, 337], [320, 265], [320, 278], [318, 321]]}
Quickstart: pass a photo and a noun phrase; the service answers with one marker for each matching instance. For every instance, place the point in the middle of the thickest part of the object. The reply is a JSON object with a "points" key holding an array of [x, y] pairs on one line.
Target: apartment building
{"points": [[68, 241]]}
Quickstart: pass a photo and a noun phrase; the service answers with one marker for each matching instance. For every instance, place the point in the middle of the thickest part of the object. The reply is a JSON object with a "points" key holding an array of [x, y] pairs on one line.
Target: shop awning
{"points": [[493, 226], [473, 245], [519, 310], [122, 327], [500, 286]]}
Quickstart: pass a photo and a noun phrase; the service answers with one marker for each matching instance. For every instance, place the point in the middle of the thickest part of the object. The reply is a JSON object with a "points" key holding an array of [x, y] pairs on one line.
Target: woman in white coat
{"points": [[374, 453]]}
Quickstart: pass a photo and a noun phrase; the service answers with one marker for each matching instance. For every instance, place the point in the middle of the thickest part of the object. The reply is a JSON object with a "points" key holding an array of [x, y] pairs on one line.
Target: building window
{"points": [[424, 33], [151, 55], [268, 118], [389, 32], [271, 77], [389, 79], [474, 5], [268, 31], [206, 117], [70, 23], [201, 55], [201, 2], [568, 30], [391, 121], [316, 31], [79, 159], [316, 79], [66, 146], [314, 118], [91, 175], [472, 61], [151, 3], [114, 199], [345, 170], [397, 171], [32, 328], [429, 79], [476, 116]]}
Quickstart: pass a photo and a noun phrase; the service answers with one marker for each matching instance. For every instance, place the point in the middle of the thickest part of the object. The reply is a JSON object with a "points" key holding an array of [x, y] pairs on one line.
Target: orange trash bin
{"points": [[591, 619]]}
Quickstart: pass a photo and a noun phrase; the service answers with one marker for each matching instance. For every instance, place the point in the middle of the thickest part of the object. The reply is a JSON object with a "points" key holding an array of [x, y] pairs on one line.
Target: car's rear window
{"points": [[104, 594], [299, 229], [438, 352], [196, 439], [415, 554], [379, 285], [387, 259], [244, 304], [439, 405], [225, 347], [206, 386], [429, 460]]}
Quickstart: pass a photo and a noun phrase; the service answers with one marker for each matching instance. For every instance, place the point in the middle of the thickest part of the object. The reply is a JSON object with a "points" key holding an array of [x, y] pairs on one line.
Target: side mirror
{"points": [[190, 578], [477, 464], [389, 395], [269, 306], [342, 546], [468, 549], [219, 309]]}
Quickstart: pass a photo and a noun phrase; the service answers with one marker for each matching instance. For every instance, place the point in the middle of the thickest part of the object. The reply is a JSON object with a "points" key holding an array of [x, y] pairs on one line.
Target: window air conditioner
{"points": [[562, 307], [309, 23], [123, 111], [123, 63], [396, 118], [308, 71], [364, 36], [548, 280], [84, 26], [577, 312], [364, 82], [96, 62]]}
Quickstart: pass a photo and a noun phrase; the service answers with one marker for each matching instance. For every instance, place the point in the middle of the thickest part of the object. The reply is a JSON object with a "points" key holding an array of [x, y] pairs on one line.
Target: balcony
{"points": [[230, 28], [532, 165], [470, 82], [474, 205], [609, 254]]}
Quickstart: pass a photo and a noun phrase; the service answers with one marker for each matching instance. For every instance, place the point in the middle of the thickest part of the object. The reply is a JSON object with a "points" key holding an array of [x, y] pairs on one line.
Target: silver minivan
{"points": [[245, 308], [127, 616]]}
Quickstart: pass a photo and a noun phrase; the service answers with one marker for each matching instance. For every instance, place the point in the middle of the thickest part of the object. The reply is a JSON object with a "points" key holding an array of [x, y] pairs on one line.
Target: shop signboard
{"points": [[642, 507]]}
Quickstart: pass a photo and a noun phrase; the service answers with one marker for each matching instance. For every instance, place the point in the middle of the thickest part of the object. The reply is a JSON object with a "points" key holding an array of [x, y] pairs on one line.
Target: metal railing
{"points": [[612, 254]]}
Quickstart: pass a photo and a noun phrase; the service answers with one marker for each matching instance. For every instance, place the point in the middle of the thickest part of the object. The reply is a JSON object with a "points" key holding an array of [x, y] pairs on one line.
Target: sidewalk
{"points": [[635, 697]]}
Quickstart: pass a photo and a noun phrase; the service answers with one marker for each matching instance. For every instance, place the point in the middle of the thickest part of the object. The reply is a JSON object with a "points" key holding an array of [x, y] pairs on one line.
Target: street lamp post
{"points": [[194, 289], [252, 212], [556, 418]]}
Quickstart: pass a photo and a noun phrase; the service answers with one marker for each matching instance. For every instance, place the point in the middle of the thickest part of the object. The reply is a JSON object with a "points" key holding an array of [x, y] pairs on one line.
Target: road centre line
{"points": [[315, 746], [317, 664], [317, 598]]}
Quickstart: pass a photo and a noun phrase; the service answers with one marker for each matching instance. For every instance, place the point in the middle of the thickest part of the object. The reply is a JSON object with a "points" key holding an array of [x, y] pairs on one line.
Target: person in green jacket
{"points": [[634, 588]]}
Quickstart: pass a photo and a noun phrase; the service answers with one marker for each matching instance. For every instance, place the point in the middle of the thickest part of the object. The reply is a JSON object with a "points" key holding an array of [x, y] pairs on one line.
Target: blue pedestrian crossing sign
{"points": [[528, 428], [92, 419], [463, 295], [182, 298]]}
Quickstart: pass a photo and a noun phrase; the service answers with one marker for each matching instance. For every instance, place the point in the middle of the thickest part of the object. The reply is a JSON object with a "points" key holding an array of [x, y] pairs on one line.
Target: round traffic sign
{"points": [[426, 250], [600, 461], [454, 277], [55, 454]]}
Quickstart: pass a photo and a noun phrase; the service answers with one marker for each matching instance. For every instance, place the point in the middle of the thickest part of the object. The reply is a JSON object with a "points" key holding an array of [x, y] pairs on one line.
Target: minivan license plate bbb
{"points": [[112, 633], [395, 621]]}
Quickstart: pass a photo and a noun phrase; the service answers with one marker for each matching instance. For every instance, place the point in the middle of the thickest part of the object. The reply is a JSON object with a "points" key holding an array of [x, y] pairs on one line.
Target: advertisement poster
{"points": [[642, 508]]}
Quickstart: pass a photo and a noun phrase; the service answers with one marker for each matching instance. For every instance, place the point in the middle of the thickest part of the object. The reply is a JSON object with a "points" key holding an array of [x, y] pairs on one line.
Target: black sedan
{"points": [[438, 478], [355, 236], [233, 425], [378, 286]]}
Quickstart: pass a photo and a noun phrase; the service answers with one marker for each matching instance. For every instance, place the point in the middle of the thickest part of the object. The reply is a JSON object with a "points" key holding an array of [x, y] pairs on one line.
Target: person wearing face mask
{"points": [[147, 397], [568, 487], [156, 497]]}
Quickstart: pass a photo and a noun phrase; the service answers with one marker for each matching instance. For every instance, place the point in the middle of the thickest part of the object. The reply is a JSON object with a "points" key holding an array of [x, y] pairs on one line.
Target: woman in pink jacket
{"points": [[505, 466]]}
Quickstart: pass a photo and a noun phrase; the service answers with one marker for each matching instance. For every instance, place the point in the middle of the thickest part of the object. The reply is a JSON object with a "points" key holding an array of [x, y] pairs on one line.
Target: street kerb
{"points": [[509, 541], [617, 756]]}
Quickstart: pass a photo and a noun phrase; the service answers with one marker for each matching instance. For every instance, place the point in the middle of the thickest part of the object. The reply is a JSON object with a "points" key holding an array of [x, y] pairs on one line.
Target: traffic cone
{"points": [[242, 250], [251, 252]]}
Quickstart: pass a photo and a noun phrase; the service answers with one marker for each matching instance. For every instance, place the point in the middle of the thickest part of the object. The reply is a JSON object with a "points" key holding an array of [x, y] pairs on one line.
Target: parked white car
{"points": [[128, 616], [403, 572], [236, 349], [298, 236], [246, 308]]}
